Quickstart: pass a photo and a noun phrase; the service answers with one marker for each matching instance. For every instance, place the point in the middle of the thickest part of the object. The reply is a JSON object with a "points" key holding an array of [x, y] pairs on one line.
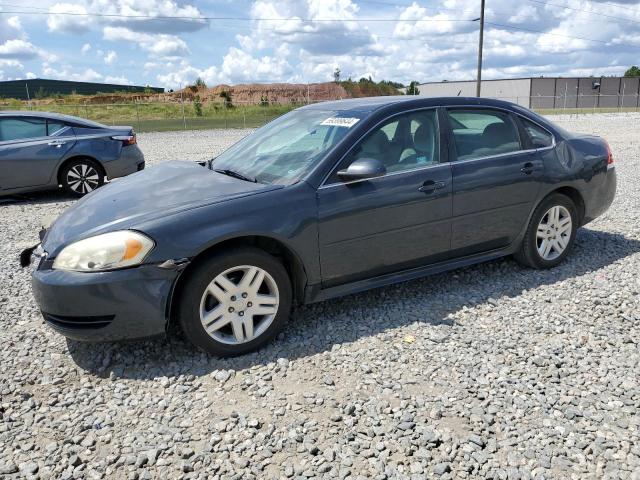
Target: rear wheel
{"points": [[81, 176], [550, 234], [235, 302]]}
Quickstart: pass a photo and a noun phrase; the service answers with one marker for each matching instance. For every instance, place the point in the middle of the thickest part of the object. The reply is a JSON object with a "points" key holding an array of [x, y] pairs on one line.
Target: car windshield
{"points": [[284, 150]]}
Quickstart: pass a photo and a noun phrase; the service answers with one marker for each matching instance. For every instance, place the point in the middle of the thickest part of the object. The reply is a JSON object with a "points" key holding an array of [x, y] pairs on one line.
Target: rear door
{"points": [[30, 150], [496, 178], [394, 222]]}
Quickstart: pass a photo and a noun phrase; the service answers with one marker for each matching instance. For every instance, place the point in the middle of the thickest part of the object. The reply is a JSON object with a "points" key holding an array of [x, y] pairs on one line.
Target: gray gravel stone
{"points": [[489, 371]]}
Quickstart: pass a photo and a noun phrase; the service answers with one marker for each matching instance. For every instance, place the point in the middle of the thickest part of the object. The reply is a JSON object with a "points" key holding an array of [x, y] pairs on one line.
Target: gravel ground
{"points": [[492, 371]]}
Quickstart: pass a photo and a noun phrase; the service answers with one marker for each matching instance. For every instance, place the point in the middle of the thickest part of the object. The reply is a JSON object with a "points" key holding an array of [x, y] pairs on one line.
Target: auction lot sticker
{"points": [[340, 122]]}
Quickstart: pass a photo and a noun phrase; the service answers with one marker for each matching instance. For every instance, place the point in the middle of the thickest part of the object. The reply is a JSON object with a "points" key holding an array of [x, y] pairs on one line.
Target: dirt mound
{"points": [[250, 93], [282, 93]]}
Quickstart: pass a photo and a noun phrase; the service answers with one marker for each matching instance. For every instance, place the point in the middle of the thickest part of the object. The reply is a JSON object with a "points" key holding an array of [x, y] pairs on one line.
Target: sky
{"points": [[170, 43]]}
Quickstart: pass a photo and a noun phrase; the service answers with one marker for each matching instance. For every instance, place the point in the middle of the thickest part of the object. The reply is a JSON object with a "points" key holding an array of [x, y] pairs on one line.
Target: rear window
{"points": [[54, 126], [22, 128], [483, 133], [540, 138]]}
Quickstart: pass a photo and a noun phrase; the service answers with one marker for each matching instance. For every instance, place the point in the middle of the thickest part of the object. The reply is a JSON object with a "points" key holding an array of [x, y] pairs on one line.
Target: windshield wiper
{"points": [[234, 174]]}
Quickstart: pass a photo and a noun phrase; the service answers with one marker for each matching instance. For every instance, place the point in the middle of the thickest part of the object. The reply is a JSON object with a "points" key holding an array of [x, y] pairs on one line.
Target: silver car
{"points": [[42, 151]]}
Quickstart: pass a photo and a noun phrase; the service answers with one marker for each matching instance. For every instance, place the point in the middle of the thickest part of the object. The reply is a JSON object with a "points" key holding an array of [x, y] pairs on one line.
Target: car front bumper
{"points": [[105, 306]]}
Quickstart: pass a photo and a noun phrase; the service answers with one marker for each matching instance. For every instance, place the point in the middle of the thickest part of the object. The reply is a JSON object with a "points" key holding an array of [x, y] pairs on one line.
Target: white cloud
{"points": [[239, 66], [170, 16], [159, 44], [66, 73], [415, 22], [14, 23], [118, 80], [18, 49], [85, 48], [181, 74], [76, 23], [317, 26], [110, 57]]}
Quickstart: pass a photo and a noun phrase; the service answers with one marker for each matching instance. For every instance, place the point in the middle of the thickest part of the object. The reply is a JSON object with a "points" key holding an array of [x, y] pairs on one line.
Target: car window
{"points": [[54, 126], [287, 148], [19, 128], [483, 133], [415, 142], [540, 138]]}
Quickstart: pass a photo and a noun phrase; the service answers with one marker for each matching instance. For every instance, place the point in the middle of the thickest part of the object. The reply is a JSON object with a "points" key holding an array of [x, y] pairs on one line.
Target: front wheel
{"points": [[235, 302], [81, 176], [550, 234]]}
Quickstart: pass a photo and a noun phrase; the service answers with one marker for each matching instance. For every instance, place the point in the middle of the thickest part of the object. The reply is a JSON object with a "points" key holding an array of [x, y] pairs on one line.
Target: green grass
{"points": [[150, 117]]}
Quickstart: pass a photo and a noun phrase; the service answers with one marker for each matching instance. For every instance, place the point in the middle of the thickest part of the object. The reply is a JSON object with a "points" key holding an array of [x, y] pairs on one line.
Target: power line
{"points": [[592, 12], [251, 19], [308, 20], [514, 27]]}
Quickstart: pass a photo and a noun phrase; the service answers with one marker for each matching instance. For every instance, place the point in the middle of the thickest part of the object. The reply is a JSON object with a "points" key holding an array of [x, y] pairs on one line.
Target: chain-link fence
{"points": [[194, 114], [164, 116], [578, 103]]}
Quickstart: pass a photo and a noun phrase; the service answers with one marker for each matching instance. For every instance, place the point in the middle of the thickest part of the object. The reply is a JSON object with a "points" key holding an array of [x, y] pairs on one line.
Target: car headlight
{"points": [[104, 252]]}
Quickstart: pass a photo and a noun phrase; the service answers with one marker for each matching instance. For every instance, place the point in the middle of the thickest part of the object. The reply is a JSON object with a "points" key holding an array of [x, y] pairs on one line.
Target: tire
{"points": [[236, 324], [81, 176], [544, 226]]}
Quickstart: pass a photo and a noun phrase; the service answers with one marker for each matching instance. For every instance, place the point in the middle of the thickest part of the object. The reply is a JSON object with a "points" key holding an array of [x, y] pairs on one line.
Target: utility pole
{"points": [[479, 77]]}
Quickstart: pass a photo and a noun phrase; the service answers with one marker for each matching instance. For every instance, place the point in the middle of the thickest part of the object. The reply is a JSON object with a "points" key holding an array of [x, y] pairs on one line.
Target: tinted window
{"points": [[19, 128], [482, 133], [53, 127], [404, 142], [540, 138]]}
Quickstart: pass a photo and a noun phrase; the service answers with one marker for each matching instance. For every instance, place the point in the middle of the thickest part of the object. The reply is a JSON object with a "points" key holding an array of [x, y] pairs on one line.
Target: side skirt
{"points": [[315, 293]]}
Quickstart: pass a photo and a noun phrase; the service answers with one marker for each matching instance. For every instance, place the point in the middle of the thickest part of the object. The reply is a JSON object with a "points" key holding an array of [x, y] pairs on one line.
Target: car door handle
{"points": [[527, 169], [431, 186], [56, 143]]}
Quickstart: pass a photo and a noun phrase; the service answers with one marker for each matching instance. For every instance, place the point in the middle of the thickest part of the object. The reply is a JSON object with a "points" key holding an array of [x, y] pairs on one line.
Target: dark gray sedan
{"points": [[41, 151], [327, 200]]}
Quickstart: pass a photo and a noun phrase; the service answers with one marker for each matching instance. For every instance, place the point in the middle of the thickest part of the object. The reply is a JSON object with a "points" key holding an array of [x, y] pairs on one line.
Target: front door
{"points": [[394, 222]]}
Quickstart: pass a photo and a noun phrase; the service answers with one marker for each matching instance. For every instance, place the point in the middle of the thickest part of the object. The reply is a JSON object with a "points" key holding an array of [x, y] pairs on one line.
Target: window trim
{"points": [[442, 144], [453, 153]]}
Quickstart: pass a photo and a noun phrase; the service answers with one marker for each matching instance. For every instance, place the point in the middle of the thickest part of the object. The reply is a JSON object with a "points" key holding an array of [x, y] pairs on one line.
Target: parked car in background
{"points": [[41, 151], [327, 200]]}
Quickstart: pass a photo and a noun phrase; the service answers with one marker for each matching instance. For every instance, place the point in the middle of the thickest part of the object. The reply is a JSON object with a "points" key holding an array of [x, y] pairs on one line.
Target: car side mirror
{"points": [[361, 169]]}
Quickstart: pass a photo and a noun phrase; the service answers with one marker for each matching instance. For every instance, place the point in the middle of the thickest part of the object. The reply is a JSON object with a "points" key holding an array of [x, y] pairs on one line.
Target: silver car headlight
{"points": [[104, 252]]}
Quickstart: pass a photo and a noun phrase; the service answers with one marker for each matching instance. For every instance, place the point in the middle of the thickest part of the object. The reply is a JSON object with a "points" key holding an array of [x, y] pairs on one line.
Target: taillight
{"points": [[126, 139], [609, 154]]}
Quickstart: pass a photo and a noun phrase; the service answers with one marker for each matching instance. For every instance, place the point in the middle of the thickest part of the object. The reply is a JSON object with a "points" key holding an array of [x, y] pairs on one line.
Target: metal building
{"points": [[547, 92], [41, 87]]}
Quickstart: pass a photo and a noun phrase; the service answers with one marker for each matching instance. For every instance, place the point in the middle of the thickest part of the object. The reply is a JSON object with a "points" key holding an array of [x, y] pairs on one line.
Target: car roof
{"points": [[51, 116], [369, 104]]}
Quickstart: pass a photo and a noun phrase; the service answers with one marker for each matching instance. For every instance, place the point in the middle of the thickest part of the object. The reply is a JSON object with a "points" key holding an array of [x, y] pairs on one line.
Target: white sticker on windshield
{"points": [[340, 122]]}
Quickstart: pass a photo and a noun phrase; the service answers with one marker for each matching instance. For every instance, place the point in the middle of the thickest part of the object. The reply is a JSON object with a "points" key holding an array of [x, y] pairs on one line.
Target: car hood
{"points": [[159, 191]]}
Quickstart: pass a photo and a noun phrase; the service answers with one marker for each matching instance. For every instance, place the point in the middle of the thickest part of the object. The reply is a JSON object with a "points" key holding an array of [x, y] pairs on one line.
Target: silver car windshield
{"points": [[284, 150]]}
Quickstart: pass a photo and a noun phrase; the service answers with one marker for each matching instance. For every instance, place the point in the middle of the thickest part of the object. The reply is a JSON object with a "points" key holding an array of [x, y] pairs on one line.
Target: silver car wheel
{"points": [[554, 232], [83, 178], [239, 304]]}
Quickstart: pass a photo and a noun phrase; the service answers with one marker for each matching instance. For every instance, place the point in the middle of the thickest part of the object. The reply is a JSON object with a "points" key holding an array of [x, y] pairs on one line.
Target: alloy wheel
{"points": [[554, 232], [239, 304], [83, 178]]}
